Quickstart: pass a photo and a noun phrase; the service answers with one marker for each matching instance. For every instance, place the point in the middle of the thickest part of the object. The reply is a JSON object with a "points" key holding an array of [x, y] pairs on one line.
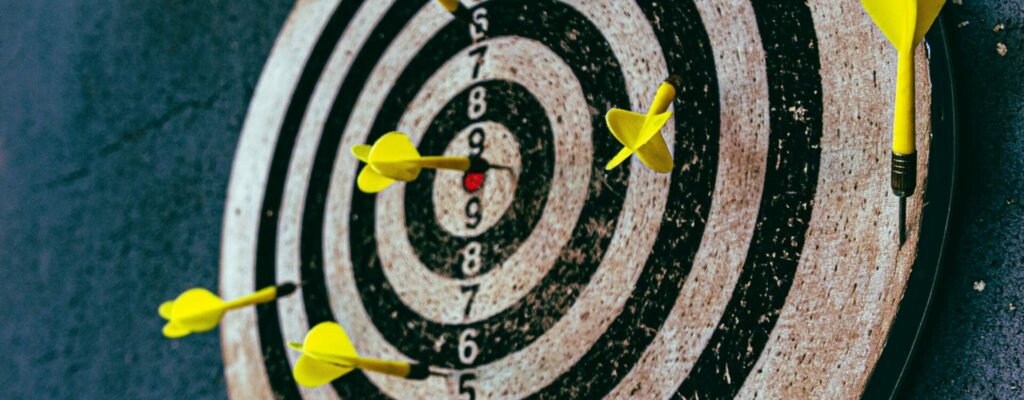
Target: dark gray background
{"points": [[118, 124]]}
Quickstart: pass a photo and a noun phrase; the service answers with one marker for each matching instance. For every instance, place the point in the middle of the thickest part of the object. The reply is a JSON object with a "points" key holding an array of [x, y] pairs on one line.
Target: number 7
{"points": [[471, 289], [479, 52]]}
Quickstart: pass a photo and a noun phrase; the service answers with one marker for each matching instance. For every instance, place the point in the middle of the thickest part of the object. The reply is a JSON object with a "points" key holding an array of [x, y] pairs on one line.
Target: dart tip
{"points": [[903, 220]]}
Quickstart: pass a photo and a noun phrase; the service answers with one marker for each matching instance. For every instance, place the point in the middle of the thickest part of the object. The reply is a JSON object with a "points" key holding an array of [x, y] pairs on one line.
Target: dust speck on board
{"points": [[998, 28], [963, 24], [799, 113], [979, 285], [958, 2], [1001, 49], [1012, 307]]}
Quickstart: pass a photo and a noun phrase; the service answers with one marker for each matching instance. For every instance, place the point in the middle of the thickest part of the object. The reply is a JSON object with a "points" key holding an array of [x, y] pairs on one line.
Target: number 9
{"points": [[476, 141]]}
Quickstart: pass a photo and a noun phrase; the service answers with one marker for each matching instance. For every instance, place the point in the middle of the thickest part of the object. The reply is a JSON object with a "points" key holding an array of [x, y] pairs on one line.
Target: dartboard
{"points": [[766, 264]]}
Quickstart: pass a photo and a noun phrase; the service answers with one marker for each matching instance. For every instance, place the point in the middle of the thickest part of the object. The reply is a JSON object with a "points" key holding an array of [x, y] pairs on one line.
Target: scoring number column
{"points": [[473, 181]]}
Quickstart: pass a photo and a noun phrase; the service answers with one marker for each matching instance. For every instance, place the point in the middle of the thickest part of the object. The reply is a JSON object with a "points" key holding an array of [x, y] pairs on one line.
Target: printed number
{"points": [[465, 387], [479, 52], [476, 141], [473, 213], [468, 349], [471, 259], [471, 289], [479, 27], [477, 103]]}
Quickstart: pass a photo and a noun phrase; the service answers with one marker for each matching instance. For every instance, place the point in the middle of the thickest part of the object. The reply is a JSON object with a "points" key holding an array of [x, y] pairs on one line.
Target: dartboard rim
{"points": [[906, 326]]}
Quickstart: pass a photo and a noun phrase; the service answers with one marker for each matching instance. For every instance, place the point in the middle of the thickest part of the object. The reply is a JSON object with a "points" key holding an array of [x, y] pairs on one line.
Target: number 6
{"points": [[468, 349]]}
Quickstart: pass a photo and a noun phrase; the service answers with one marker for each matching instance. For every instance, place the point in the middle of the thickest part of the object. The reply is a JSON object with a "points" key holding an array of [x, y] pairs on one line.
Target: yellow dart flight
{"points": [[328, 354], [641, 134], [199, 310], [393, 157], [904, 23]]}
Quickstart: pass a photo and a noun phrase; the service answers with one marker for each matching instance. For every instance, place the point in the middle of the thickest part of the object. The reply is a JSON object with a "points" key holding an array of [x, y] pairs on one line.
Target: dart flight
{"points": [[328, 354], [904, 23], [393, 157], [199, 310], [641, 134]]}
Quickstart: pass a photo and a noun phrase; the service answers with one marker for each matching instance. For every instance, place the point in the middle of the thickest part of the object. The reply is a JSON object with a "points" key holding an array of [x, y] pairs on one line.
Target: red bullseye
{"points": [[473, 181]]}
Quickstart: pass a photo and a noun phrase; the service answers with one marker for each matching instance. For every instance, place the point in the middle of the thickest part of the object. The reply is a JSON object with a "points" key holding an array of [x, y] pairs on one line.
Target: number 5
{"points": [[465, 388], [479, 27]]}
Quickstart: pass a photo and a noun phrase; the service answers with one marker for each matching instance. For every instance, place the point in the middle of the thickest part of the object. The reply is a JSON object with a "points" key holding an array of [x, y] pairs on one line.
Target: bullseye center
{"points": [[468, 203]]}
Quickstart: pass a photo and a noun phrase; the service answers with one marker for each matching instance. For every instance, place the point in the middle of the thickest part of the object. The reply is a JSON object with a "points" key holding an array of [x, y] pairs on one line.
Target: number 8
{"points": [[471, 259], [477, 103]]}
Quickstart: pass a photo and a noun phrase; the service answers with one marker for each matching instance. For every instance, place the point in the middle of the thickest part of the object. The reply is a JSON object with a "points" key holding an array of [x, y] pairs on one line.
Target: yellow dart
{"points": [[641, 134], [904, 23], [199, 310], [328, 354], [456, 9], [393, 157]]}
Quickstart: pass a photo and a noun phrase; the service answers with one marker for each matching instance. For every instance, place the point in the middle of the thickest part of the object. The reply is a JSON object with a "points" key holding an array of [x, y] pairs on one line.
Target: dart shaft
{"points": [[264, 295], [400, 369], [450, 5], [388, 367], [903, 118], [662, 99], [445, 162]]}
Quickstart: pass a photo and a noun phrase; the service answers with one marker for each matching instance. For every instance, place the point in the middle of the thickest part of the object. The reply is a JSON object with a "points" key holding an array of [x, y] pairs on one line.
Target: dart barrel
{"points": [[904, 174], [675, 81], [285, 289], [418, 371]]}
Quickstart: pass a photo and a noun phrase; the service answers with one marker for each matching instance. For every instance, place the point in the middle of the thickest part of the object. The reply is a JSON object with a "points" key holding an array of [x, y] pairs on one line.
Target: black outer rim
{"points": [[895, 360]]}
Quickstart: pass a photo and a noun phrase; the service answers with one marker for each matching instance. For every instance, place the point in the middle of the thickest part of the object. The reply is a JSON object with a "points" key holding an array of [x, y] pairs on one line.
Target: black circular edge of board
{"points": [[893, 364]]}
